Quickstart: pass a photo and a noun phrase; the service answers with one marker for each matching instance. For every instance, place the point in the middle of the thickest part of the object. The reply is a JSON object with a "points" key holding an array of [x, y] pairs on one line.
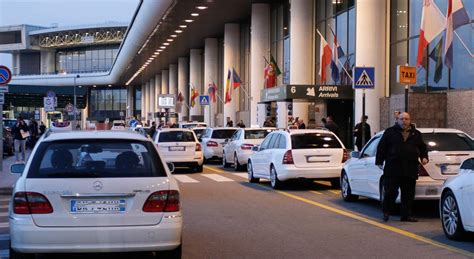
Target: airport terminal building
{"points": [[191, 48]]}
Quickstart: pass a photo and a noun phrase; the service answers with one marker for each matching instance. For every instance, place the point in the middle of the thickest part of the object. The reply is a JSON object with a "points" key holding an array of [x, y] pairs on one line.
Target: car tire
{"points": [[451, 217], [336, 182], [237, 165], [346, 191], [16, 255], [382, 191], [224, 161], [198, 169], [274, 181], [251, 178], [172, 254]]}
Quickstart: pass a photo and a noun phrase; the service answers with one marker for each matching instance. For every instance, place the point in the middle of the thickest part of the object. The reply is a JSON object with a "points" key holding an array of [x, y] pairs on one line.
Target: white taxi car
{"points": [[447, 148], [180, 147], [294, 154], [456, 207], [213, 141], [84, 191], [239, 147]]}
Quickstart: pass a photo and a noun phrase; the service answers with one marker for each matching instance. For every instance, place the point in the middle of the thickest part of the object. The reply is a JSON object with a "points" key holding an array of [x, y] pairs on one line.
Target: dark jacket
{"points": [[358, 133], [332, 126], [401, 157], [302, 126], [16, 130]]}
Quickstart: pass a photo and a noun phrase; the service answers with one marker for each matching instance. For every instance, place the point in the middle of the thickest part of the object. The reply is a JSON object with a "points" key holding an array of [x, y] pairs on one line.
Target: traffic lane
{"points": [[230, 220]]}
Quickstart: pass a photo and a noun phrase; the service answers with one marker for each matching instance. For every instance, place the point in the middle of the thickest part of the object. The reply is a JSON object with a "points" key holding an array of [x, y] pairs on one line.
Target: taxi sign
{"points": [[406, 75]]}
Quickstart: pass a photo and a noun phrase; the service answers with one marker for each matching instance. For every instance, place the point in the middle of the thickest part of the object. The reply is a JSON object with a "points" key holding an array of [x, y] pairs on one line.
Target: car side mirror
{"points": [[17, 168], [355, 154], [170, 167], [255, 148]]}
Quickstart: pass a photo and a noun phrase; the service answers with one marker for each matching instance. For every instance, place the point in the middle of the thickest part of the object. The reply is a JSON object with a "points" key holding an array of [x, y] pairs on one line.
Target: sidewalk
{"points": [[7, 179]]}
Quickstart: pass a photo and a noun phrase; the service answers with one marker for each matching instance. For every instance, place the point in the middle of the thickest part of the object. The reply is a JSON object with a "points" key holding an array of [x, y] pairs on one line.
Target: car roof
{"points": [[100, 134], [300, 131], [433, 130], [175, 129], [258, 128], [224, 128]]}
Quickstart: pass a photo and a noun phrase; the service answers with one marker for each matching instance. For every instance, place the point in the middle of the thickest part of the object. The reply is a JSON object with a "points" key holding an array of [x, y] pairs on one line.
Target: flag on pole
{"points": [[272, 71], [437, 55], [194, 95], [228, 88], [325, 58], [456, 16], [432, 24], [180, 97], [212, 90], [337, 52], [236, 82]]}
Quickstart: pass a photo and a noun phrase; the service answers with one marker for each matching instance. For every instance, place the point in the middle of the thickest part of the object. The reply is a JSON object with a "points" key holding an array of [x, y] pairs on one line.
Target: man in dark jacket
{"points": [[332, 126], [400, 148], [359, 127]]}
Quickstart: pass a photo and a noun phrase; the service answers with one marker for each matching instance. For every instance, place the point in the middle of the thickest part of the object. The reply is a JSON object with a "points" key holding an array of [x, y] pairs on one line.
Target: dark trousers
{"points": [[407, 188]]}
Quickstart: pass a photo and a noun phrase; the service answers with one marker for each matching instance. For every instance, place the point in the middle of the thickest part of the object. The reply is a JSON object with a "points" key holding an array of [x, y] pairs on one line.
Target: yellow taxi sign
{"points": [[406, 75]]}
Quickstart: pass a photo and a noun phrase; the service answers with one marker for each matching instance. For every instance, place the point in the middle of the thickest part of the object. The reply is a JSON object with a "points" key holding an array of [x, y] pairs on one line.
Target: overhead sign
{"points": [[166, 101], [364, 78], [204, 99], [406, 75], [5, 75], [306, 92], [2, 98], [48, 104], [50, 93]]}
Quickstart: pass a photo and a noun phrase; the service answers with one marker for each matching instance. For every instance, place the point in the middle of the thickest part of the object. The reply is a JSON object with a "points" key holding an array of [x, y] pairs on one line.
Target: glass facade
{"points": [[86, 60], [405, 29], [338, 16], [107, 102], [138, 101], [280, 39]]}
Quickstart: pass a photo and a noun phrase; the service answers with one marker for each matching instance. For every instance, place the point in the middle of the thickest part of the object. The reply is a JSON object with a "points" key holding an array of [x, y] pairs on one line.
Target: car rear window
{"points": [[223, 134], [314, 140], [199, 132], [176, 136], [256, 134], [95, 158], [448, 142]]}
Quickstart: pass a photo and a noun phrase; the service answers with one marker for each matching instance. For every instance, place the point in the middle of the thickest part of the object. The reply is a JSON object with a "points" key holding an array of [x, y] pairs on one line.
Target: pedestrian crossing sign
{"points": [[204, 99], [364, 78]]}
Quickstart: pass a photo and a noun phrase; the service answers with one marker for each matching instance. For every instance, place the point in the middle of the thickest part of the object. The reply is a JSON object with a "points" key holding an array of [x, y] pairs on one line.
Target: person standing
{"points": [[152, 131], [241, 124], [33, 127], [230, 123], [20, 133], [360, 127], [332, 126], [42, 128], [301, 124], [400, 148]]}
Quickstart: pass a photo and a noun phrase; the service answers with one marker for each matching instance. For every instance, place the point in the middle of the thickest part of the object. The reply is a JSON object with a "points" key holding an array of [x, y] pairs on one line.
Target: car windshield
{"points": [[188, 126], [199, 132], [257, 134], [448, 142], [94, 158], [176, 136], [314, 140], [222, 134]]}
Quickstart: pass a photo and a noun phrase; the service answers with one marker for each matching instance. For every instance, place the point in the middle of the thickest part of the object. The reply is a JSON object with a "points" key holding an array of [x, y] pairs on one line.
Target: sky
{"points": [[63, 13]]}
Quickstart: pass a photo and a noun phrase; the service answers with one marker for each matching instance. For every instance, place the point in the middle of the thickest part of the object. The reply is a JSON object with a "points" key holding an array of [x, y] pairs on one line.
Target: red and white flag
{"points": [[455, 17], [325, 53], [432, 24]]}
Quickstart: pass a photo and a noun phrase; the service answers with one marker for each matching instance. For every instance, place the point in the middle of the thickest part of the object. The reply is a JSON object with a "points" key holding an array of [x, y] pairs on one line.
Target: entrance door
{"points": [[342, 112]]}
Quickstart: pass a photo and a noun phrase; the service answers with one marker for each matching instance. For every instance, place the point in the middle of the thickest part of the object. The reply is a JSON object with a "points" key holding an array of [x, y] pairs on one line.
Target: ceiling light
{"points": [[94, 86], [174, 35], [170, 40], [156, 52], [154, 55], [201, 7], [194, 14], [189, 20], [162, 47], [166, 43], [178, 31], [160, 50], [183, 26]]}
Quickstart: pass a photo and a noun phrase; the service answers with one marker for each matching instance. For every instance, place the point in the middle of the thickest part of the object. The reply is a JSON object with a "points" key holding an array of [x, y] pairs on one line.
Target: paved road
{"points": [[227, 217]]}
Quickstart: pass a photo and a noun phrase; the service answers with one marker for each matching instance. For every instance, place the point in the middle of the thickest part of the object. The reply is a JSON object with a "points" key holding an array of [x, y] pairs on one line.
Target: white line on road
{"points": [[185, 179], [4, 225], [217, 178], [5, 199], [4, 237], [243, 175], [3, 214], [5, 253], [3, 206], [323, 183]]}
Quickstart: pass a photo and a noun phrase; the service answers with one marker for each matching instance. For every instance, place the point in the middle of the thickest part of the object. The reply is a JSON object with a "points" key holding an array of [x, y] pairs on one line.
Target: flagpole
{"points": [[340, 63], [245, 91]]}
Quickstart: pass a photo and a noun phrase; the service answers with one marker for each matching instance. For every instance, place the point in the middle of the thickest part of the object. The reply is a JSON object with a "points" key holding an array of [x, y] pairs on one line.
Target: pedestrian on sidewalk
{"points": [[359, 127], [20, 134]]}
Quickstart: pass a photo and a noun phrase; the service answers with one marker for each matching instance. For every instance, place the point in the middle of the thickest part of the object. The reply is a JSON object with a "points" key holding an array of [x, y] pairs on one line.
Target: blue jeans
{"points": [[19, 143]]}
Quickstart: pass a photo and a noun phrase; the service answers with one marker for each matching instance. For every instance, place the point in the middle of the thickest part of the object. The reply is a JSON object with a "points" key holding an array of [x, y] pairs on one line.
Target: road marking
{"points": [[335, 191], [215, 169], [5, 253], [243, 175], [4, 224], [4, 237], [3, 214], [185, 179], [5, 199], [323, 183], [3, 206], [315, 192], [217, 178]]}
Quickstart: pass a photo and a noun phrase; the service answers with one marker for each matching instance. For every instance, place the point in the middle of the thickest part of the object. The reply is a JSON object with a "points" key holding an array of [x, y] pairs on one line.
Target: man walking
{"points": [[360, 127], [400, 148]]}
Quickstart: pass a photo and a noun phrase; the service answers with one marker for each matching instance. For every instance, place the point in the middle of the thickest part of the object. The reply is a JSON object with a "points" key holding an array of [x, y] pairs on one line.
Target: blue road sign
{"points": [[364, 78], [5, 75], [204, 99]]}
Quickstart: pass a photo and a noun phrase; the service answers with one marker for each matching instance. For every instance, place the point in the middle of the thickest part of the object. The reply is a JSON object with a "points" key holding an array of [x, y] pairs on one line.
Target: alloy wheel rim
{"points": [[235, 162], [250, 171], [223, 160], [450, 212], [272, 176], [345, 185]]}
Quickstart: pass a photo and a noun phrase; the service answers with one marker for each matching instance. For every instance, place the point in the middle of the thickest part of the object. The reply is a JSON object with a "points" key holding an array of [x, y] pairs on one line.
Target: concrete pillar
{"points": [[211, 62], [152, 96], [231, 60], [183, 80], [143, 102], [173, 79], [147, 100], [130, 101], [369, 56], [48, 62], [164, 81], [195, 79], [301, 50], [157, 90], [260, 47], [16, 64], [282, 115]]}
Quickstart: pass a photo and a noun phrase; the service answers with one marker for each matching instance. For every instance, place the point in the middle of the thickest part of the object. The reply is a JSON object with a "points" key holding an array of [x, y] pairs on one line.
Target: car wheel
{"points": [[451, 217], [16, 255], [198, 169], [346, 189], [224, 161], [274, 181], [251, 178], [237, 165], [172, 254]]}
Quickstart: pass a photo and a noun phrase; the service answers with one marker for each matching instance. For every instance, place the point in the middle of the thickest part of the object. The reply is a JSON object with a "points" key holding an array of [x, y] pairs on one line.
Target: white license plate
{"points": [[176, 148], [317, 159], [97, 206], [431, 191]]}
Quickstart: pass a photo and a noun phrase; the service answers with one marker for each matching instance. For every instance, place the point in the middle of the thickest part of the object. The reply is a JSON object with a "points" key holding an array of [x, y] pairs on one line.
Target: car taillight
{"points": [[345, 155], [31, 203], [162, 201], [246, 146], [422, 171], [288, 158], [198, 147], [211, 144]]}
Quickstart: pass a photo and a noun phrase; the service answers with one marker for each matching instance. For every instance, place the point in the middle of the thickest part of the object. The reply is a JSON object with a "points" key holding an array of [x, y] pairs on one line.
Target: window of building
{"points": [[86, 60], [108, 102], [280, 40]]}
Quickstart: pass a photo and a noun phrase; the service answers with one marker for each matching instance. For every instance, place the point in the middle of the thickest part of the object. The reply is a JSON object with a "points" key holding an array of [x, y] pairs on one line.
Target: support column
{"points": [[211, 53], [157, 90], [369, 56], [142, 103], [195, 80], [148, 100], [164, 81], [130, 101], [183, 79], [301, 50], [260, 47], [173, 82], [231, 60], [152, 97]]}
